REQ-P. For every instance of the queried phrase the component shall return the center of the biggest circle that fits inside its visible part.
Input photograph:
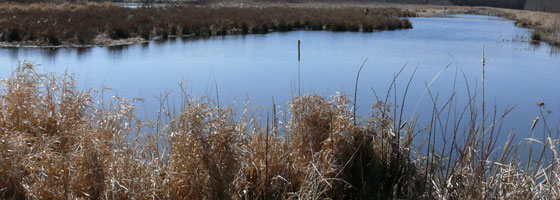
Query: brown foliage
(55, 24)
(55, 143)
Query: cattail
(298, 50)
(483, 63)
(534, 124)
(402, 126)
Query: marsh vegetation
(108, 24)
(55, 142)
(59, 140)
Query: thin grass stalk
(356, 89)
(267, 181)
(483, 105)
(404, 96)
(299, 67)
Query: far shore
(107, 24)
(546, 25)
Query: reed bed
(56, 143)
(107, 24)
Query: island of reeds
(87, 24)
(57, 142)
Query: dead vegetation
(56, 143)
(104, 24)
(546, 24)
(87, 24)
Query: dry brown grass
(55, 143)
(106, 24)
(45, 24)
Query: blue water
(257, 68)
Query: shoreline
(545, 26)
(136, 40)
(53, 25)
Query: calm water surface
(256, 68)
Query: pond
(258, 68)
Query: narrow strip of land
(107, 24)
(545, 24)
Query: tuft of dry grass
(56, 143)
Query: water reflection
(13, 52)
(555, 51)
(116, 52)
(145, 44)
(83, 51)
(50, 53)
(161, 41)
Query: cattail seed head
(483, 63)
(534, 124)
(298, 50)
(402, 126)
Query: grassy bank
(107, 24)
(56, 143)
